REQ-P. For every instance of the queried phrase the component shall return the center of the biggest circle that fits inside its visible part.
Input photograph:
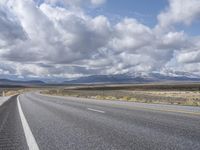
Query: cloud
(57, 38)
(189, 56)
(10, 29)
(130, 35)
(180, 11)
(98, 2)
(75, 3)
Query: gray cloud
(10, 29)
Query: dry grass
(190, 98)
(13, 91)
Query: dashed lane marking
(95, 110)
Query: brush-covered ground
(13, 91)
(179, 94)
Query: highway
(35, 121)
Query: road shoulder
(192, 110)
(4, 99)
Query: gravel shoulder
(4, 99)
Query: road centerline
(30, 139)
(96, 110)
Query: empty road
(34, 121)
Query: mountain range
(118, 79)
(126, 78)
(21, 83)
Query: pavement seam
(30, 139)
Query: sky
(66, 39)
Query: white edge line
(100, 111)
(30, 139)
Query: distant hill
(178, 77)
(124, 78)
(21, 83)
(109, 79)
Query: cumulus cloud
(75, 3)
(130, 35)
(180, 11)
(98, 2)
(10, 29)
(57, 38)
(189, 56)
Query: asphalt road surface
(34, 121)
